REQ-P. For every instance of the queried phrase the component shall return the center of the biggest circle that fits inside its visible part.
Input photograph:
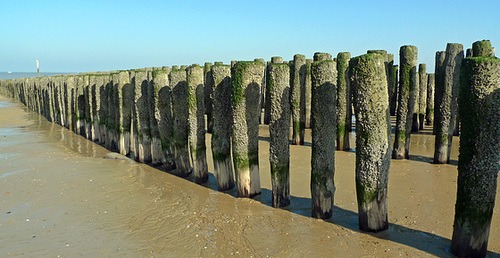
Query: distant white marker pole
(37, 68)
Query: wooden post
(406, 101)
(373, 134)
(196, 122)
(324, 126)
(279, 130)
(246, 78)
(479, 154)
(222, 120)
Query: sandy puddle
(59, 197)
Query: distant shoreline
(17, 75)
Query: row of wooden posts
(157, 115)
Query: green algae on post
(479, 155)
(279, 131)
(297, 98)
(371, 105)
(246, 80)
(324, 88)
(222, 120)
(344, 110)
(406, 100)
(196, 122)
(482, 48)
(446, 101)
(308, 93)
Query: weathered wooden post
(279, 130)
(416, 109)
(308, 92)
(406, 101)
(222, 113)
(482, 48)
(158, 81)
(429, 111)
(209, 96)
(479, 155)
(438, 86)
(163, 116)
(125, 103)
(297, 98)
(422, 86)
(80, 105)
(87, 92)
(196, 122)
(318, 56)
(373, 135)
(246, 78)
(180, 112)
(344, 110)
(324, 126)
(141, 121)
(393, 95)
(446, 96)
(267, 105)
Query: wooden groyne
(161, 115)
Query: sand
(60, 197)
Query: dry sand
(59, 197)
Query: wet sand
(60, 197)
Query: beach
(60, 197)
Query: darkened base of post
(399, 154)
(416, 123)
(463, 242)
(281, 195)
(201, 179)
(209, 123)
(183, 168)
(318, 213)
(373, 215)
(224, 181)
(421, 120)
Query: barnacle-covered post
(479, 154)
(324, 127)
(406, 101)
(279, 130)
(246, 79)
(222, 120)
(371, 107)
(344, 110)
(196, 122)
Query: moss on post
(196, 122)
(406, 101)
(279, 130)
(246, 79)
(222, 124)
(446, 102)
(324, 79)
(344, 110)
(180, 128)
(318, 56)
(482, 48)
(479, 155)
(141, 117)
(371, 105)
(429, 110)
(297, 98)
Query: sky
(85, 36)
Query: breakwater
(121, 110)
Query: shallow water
(58, 196)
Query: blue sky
(81, 36)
